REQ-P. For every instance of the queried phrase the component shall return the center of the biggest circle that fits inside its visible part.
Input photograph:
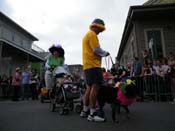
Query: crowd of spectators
(143, 67)
(23, 84)
(28, 83)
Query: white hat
(18, 68)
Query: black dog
(108, 95)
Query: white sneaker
(84, 114)
(95, 118)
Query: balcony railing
(36, 48)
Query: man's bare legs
(90, 98)
(93, 97)
(92, 103)
(86, 96)
(85, 111)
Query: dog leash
(108, 59)
(111, 60)
(106, 63)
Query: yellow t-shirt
(90, 59)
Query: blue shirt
(137, 69)
(25, 78)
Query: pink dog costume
(122, 91)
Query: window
(155, 43)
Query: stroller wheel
(64, 111)
(61, 112)
(78, 108)
(42, 100)
(71, 106)
(52, 107)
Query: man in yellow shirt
(92, 56)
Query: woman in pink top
(16, 82)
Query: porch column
(0, 49)
(0, 56)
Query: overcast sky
(66, 22)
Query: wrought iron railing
(155, 88)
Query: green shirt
(53, 61)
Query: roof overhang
(152, 11)
(33, 56)
(18, 27)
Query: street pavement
(36, 116)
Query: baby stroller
(65, 93)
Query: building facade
(15, 46)
(150, 26)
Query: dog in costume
(122, 95)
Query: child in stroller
(44, 93)
(64, 92)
